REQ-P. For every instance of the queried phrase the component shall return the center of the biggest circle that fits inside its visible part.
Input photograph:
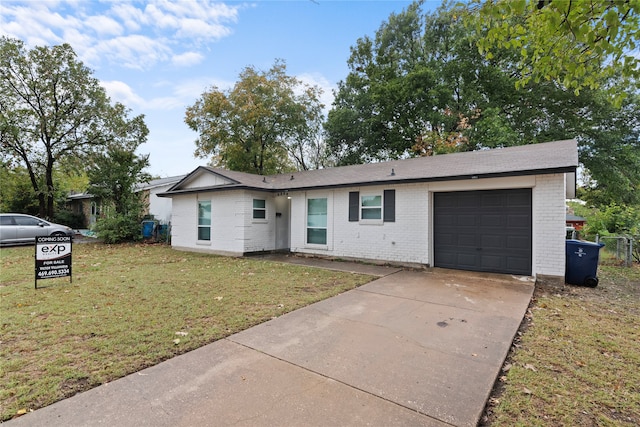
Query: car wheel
(58, 234)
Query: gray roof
(159, 182)
(533, 159)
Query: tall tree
(574, 43)
(53, 110)
(421, 87)
(113, 177)
(263, 125)
(418, 87)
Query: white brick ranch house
(500, 210)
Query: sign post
(53, 258)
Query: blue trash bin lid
(572, 242)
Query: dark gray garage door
(483, 230)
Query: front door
(283, 207)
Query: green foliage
(610, 150)
(119, 228)
(613, 219)
(266, 124)
(574, 43)
(113, 178)
(420, 87)
(70, 219)
(16, 192)
(54, 112)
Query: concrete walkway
(411, 348)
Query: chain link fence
(623, 248)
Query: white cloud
(187, 58)
(137, 35)
(177, 95)
(121, 92)
(316, 79)
(104, 26)
(198, 28)
(129, 15)
(135, 51)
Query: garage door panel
(448, 259)
(466, 260)
(492, 241)
(483, 230)
(518, 264)
(518, 242)
(466, 240)
(448, 221)
(488, 200)
(465, 220)
(518, 220)
(518, 199)
(492, 220)
(493, 261)
(448, 239)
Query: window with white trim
(204, 220)
(317, 221)
(259, 209)
(371, 207)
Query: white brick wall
(183, 221)
(258, 235)
(406, 240)
(226, 222)
(549, 225)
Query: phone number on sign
(57, 272)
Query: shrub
(118, 228)
(70, 219)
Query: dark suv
(20, 228)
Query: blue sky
(158, 57)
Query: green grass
(130, 307)
(577, 360)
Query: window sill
(316, 247)
(371, 222)
(203, 242)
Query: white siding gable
(205, 179)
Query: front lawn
(576, 361)
(130, 307)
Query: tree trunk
(50, 188)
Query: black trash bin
(582, 263)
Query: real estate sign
(53, 257)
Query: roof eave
(565, 169)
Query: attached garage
(487, 230)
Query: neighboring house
(500, 210)
(577, 222)
(83, 203)
(159, 208)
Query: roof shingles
(549, 157)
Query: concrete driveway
(411, 348)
